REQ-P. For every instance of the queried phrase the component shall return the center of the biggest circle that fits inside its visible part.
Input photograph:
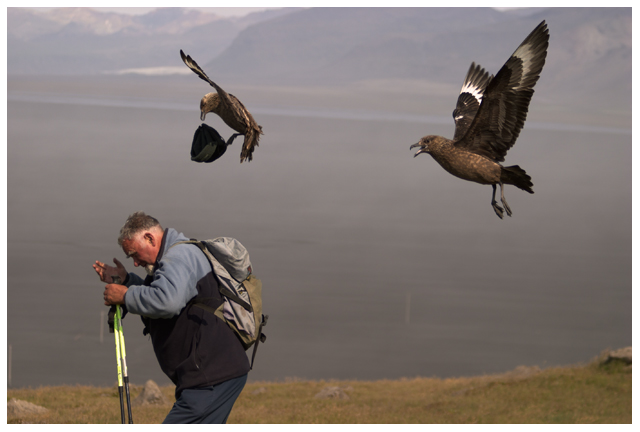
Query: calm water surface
(374, 264)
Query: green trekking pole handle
(123, 361)
(115, 309)
(118, 359)
(121, 357)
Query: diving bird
(230, 110)
(489, 115)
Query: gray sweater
(174, 283)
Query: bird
(489, 115)
(230, 110)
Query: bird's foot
(507, 208)
(230, 140)
(499, 211)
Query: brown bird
(489, 115)
(230, 110)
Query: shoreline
(524, 395)
(622, 355)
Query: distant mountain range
(75, 41)
(589, 55)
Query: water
(343, 225)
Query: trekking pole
(123, 376)
(114, 312)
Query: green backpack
(240, 290)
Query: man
(199, 352)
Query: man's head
(140, 239)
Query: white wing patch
(526, 54)
(472, 90)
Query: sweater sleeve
(174, 284)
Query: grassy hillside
(579, 394)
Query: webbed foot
(499, 211)
(494, 203)
(507, 208)
(504, 201)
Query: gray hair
(136, 222)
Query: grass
(591, 393)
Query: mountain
(589, 56)
(343, 44)
(589, 59)
(69, 41)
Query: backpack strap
(196, 302)
(223, 290)
(261, 338)
(231, 295)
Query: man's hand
(106, 272)
(114, 294)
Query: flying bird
(230, 110)
(489, 115)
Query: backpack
(240, 290)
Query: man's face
(143, 249)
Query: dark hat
(207, 144)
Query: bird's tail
(251, 139)
(514, 175)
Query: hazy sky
(225, 11)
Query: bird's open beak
(202, 115)
(422, 149)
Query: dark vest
(195, 348)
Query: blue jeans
(210, 404)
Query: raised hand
(106, 272)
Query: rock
(623, 355)
(20, 408)
(150, 395)
(333, 393)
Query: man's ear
(150, 238)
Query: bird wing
(469, 99)
(505, 102)
(240, 113)
(191, 64)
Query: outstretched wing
(470, 99)
(505, 102)
(191, 64)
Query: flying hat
(207, 144)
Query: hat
(207, 144)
